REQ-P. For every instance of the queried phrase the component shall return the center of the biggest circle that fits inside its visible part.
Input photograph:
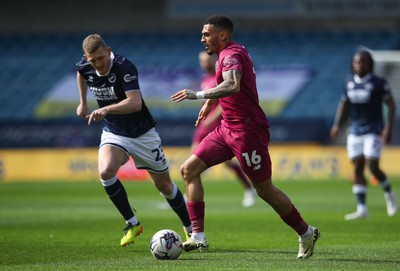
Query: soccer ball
(166, 245)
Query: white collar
(361, 80)
(111, 64)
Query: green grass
(73, 226)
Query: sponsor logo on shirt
(359, 95)
(104, 93)
(229, 61)
(128, 78)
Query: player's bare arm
(230, 86)
(82, 109)
(341, 109)
(132, 103)
(387, 130)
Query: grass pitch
(74, 226)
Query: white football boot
(361, 213)
(306, 247)
(250, 196)
(391, 203)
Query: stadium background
(301, 51)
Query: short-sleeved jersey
(110, 89)
(242, 110)
(365, 96)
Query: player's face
(100, 60)
(361, 65)
(211, 38)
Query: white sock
(109, 182)
(307, 234)
(133, 221)
(173, 194)
(362, 208)
(198, 236)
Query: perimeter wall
(290, 162)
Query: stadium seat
(34, 62)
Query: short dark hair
(220, 21)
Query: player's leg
(190, 171)
(170, 191)
(283, 206)
(253, 156)
(389, 195)
(211, 151)
(110, 159)
(148, 154)
(250, 194)
(355, 151)
(359, 189)
(372, 149)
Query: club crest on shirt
(128, 78)
(112, 77)
(229, 61)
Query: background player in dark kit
(364, 95)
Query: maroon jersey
(244, 132)
(242, 110)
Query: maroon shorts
(250, 147)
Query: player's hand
(184, 94)
(82, 111)
(205, 109)
(97, 115)
(334, 132)
(386, 136)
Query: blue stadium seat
(34, 62)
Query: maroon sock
(294, 220)
(196, 215)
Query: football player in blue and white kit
(129, 130)
(365, 93)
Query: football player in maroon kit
(207, 64)
(243, 133)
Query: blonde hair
(93, 42)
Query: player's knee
(107, 173)
(186, 172)
(374, 168)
